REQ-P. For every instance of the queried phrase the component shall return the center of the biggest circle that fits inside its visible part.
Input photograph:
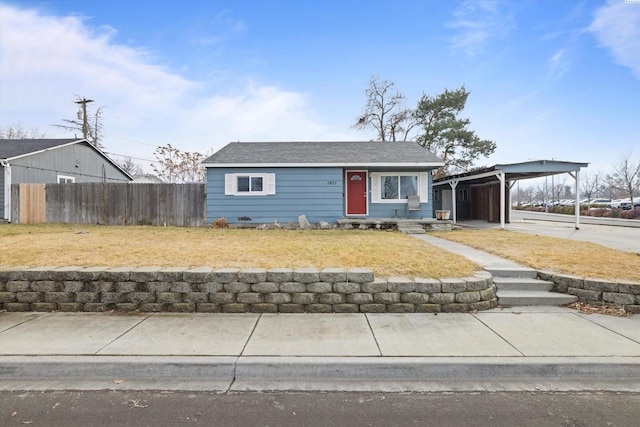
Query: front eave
(326, 165)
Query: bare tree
(626, 175)
(18, 132)
(131, 167)
(386, 112)
(176, 166)
(442, 131)
(559, 189)
(589, 185)
(542, 193)
(608, 187)
(529, 193)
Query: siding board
(314, 192)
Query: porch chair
(413, 204)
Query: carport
(486, 192)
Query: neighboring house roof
(12, 148)
(147, 179)
(15, 148)
(319, 154)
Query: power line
(129, 156)
(130, 139)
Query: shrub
(566, 210)
(630, 214)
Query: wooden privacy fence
(110, 204)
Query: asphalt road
(318, 409)
(614, 236)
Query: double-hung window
(249, 184)
(390, 187)
(398, 187)
(62, 179)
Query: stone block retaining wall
(230, 290)
(597, 291)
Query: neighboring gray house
(43, 161)
(261, 182)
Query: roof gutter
(312, 165)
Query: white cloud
(226, 27)
(617, 27)
(478, 22)
(46, 61)
(558, 64)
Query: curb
(388, 374)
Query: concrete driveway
(623, 238)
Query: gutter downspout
(7, 189)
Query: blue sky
(548, 78)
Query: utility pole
(85, 124)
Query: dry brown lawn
(550, 253)
(388, 254)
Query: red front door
(356, 193)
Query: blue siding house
(261, 182)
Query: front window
(250, 184)
(398, 187)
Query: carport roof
(514, 171)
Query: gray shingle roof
(334, 153)
(10, 148)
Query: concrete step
(523, 272)
(534, 298)
(411, 229)
(521, 284)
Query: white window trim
(67, 179)
(231, 184)
(376, 187)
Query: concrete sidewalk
(526, 348)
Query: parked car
(595, 201)
(627, 205)
(616, 203)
